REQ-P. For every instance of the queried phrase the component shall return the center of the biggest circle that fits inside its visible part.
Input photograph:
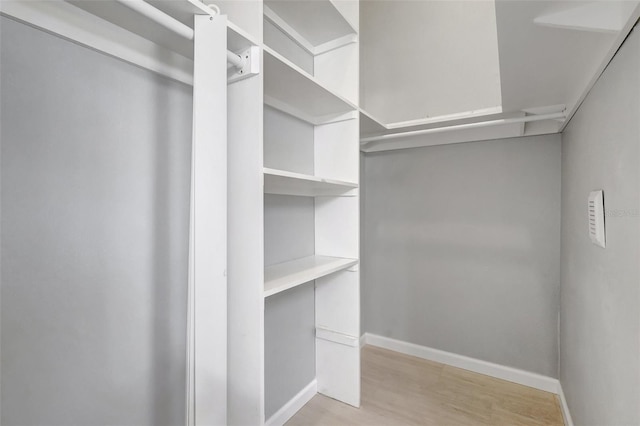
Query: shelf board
(290, 183)
(283, 276)
(293, 91)
(316, 25)
(369, 125)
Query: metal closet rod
(169, 22)
(478, 124)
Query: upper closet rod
(144, 8)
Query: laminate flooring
(398, 389)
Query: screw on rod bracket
(249, 66)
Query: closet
(182, 208)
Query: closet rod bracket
(249, 65)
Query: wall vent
(596, 218)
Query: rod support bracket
(250, 65)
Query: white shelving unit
(289, 183)
(283, 276)
(284, 84)
(294, 146)
(311, 75)
(317, 26)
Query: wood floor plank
(398, 389)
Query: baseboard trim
(510, 374)
(564, 407)
(363, 340)
(287, 411)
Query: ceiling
(543, 65)
(427, 64)
(424, 59)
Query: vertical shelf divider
(207, 360)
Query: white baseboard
(363, 340)
(565, 408)
(287, 411)
(510, 374)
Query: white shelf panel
(311, 23)
(293, 91)
(370, 125)
(290, 183)
(283, 276)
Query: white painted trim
(363, 340)
(564, 407)
(287, 411)
(526, 378)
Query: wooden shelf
(293, 91)
(317, 26)
(289, 183)
(283, 276)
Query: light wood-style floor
(402, 390)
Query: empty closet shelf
(293, 91)
(284, 276)
(289, 183)
(314, 25)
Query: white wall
(462, 249)
(95, 219)
(600, 293)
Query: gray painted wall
(462, 249)
(290, 347)
(288, 142)
(95, 197)
(290, 315)
(600, 293)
